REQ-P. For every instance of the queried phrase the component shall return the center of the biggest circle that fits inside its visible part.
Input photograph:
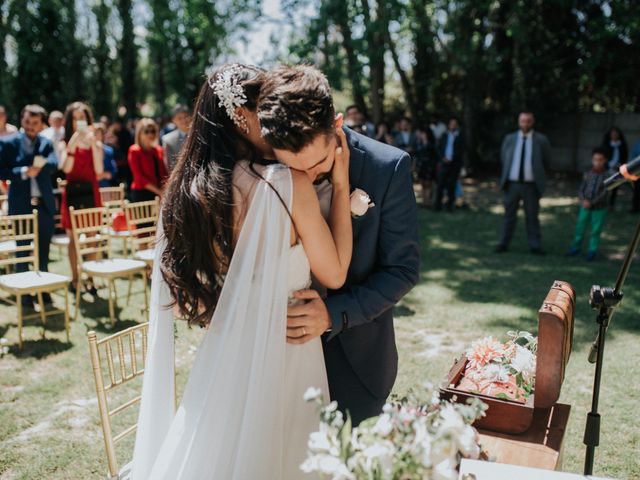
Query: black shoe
(91, 289)
(573, 252)
(538, 251)
(500, 249)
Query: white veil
(228, 425)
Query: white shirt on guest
(28, 146)
(514, 173)
(53, 134)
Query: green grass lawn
(49, 426)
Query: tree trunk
(376, 39)
(404, 79)
(129, 58)
(354, 69)
(424, 51)
(4, 74)
(102, 101)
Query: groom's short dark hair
(294, 107)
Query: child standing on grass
(593, 205)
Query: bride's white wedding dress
(242, 415)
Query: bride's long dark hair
(197, 212)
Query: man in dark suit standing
(28, 160)
(356, 322)
(452, 155)
(172, 141)
(524, 156)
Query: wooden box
(555, 337)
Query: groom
(298, 120)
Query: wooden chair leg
(112, 315)
(19, 307)
(129, 289)
(78, 286)
(66, 311)
(43, 315)
(146, 290)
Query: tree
(128, 53)
(103, 101)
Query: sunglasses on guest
(149, 131)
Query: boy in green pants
(593, 205)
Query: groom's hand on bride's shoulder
(308, 320)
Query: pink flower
(360, 202)
(483, 352)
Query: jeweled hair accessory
(230, 93)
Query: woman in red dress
(145, 160)
(82, 163)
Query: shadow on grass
(41, 348)
(457, 253)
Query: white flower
(333, 466)
(312, 393)
(445, 470)
(3, 341)
(524, 361)
(496, 373)
(383, 426)
(468, 443)
(5, 350)
(452, 421)
(360, 202)
(327, 465)
(332, 407)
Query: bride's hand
(340, 172)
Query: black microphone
(617, 179)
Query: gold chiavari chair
(142, 220)
(113, 199)
(22, 232)
(130, 347)
(91, 235)
(60, 239)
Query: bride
(238, 234)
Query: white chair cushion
(7, 247)
(145, 255)
(112, 265)
(30, 280)
(60, 239)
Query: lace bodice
(299, 269)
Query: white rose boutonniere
(360, 203)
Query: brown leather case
(555, 337)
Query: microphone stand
(605, 300)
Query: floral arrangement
(502, 370)
(419, 436)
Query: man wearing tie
(28, 160)
(524, 156)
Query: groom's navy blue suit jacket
(385, 263)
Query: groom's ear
(339, 120)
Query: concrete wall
(573, 136)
